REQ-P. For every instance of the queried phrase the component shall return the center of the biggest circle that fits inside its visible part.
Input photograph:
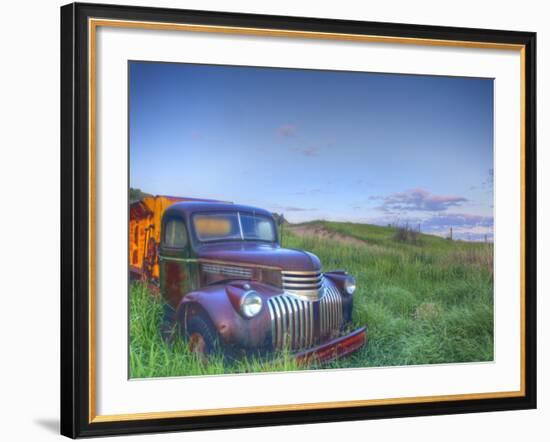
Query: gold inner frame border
(93, 24)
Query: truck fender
(233, 329)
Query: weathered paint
(145, 233)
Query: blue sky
(343, 146)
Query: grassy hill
(425, 300)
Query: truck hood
(260, 254)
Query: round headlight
(251, 304)
(350, 285)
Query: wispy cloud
(283, 209)
(458, 220)
(309, 192)
(298, 209)
(414, 200)
(466, 226)
(311, 151)
(286, 130)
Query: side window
(175, 234)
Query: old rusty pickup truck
(229, 286)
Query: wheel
(202, 337)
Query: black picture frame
(75, 220)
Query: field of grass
(425, 301)
(151, 357)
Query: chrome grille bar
(307, 285)
(230, 271)
(293, 323)
(331, 310)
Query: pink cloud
(418, 200)
(310, 151)
(286, 130)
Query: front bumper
(334, 349)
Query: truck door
(175, 262)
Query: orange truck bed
(145, 226)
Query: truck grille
(229, 271)
(293, 320)
(305, 285)
(292, 323)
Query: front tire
(202, 337)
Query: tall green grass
(424, 303)
(151, 356)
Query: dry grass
(474, 255)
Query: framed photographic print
(275, 220)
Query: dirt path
(322, 233)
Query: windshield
(240, 226)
